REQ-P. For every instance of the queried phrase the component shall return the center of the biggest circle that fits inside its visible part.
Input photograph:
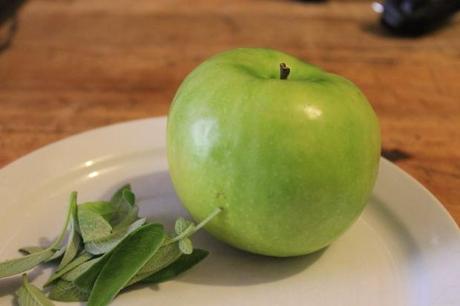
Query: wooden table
(76, 65)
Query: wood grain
(77, 65)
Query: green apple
(288, 151)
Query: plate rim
(447, 225)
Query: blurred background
(68, 66)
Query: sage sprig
(108, 248)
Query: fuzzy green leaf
(72, 208)
(184, 263)
(71, 250)
(129, 197)
(29, 295)
(125, 261)
(83, 257)
(116, 197)
(87, 278)
(182, 225)
(129, 217)
(92, 226)
(80, 269)
(22, 264)
(105, 244)
(185, 245)
(102, 208)
(125, 211)
(57, 254)
(73, 242)
(35, 249)
(66, 291)
(165, 256)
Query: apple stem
(284, 71)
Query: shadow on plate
(225, 266)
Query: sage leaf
(72, 208)
(162, 258)
(29, 295)
(92, 226)
(116, 197)
(83, 257)
(71, 250)
(184, 263)
(165, 256)
(22, 264)
(125, 261)
(182, 225)
(129, 196)
(73, 242)
(66, 291)
(123, 207)
(81, 269)
(57, 254)
(106, 244)
(130, 216)
(102, 208)
(31, 249)
(185, 245)
(87, 278)
(36, 249)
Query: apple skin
(291, 162)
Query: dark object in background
(395, 154)
(416, 17)
(8, 21)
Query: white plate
(404, 249)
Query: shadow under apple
(225, 266)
